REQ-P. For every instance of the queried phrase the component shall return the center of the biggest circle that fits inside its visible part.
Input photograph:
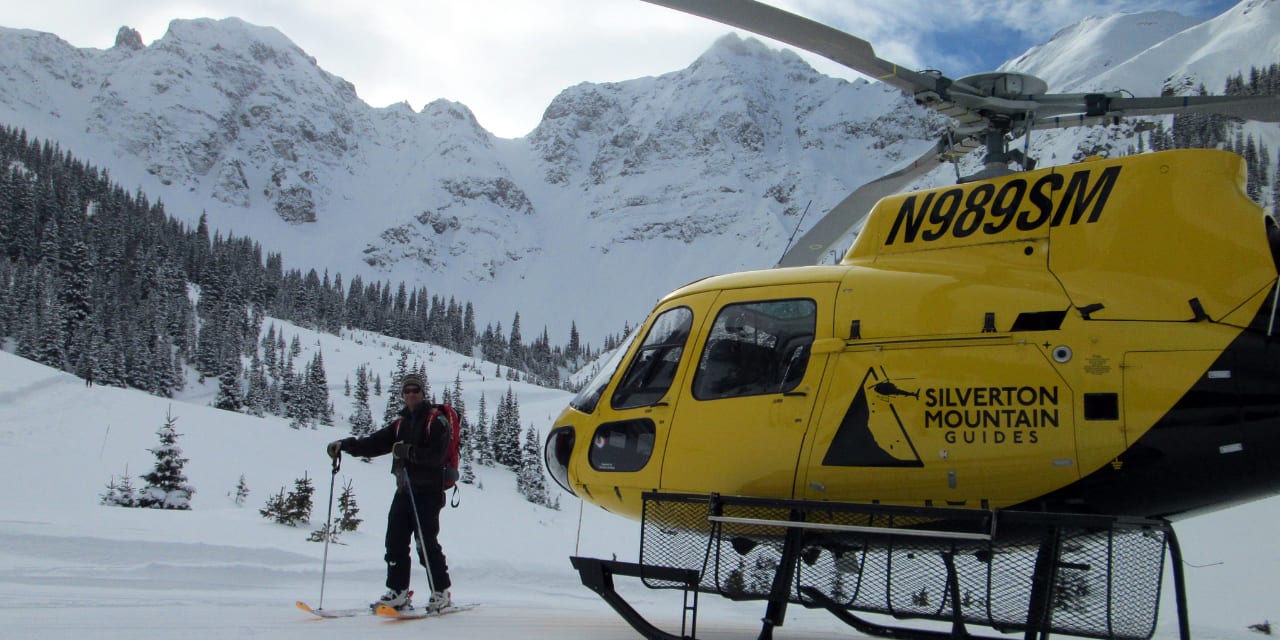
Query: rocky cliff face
(623, 191)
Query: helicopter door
(633, 421)
(746, 407)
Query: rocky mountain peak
(128, 38)
(734, 49)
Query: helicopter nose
(558, 450)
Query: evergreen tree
(257, 398)
(574, 349)
(466, 474)
(242, 491)
(361, 419)
(120, 494)
(229, 393)
(348, 509)
(269, 352)
(299, 501)
(506, 432)
(167, 486)
(394, 401)
(515, 348)
(1275, 188)
(276, 509)
(291, 509)
(75, 301)
(530, 481)
(455, 400)
(317, 391)
(482, 444)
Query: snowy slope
(1078, 54)
(71, 568)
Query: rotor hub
(1006, 84)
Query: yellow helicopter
(1095, 338)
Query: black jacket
(430, 446)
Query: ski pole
(422, 545)
(328, 524)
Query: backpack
(451, 458)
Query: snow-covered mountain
(1148, 53)
(623, 191)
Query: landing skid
(1008, 571)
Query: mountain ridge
(648, 183)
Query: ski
(333, 613)
(418, 614)
(339, 613)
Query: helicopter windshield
(589, 397)
(651, 372)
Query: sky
(507, 59)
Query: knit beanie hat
(412, 379)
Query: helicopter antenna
(1026, 139)
(794, 232)
(951, 144)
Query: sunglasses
(408, 390)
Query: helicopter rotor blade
(851, 211)
(815, 37)
(1258, 108)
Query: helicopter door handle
(794, 394)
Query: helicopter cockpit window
(651, 371)
(589, 397)
(756, 348)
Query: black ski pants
(401, 526)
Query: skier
(418, 450)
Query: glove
(402, 450)
(334, 449)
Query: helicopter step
(1009, 571)
(597, 575)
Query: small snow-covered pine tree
(274, 509)
(318, 534)
(361, 419)
(122, 493)
(506, 432)
(529, 479)
(167, 486)
(394, 401)
(291, 509)
(481, 442)
(298, 504)
(348, 508)
(242, 491)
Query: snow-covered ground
(71, 568)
